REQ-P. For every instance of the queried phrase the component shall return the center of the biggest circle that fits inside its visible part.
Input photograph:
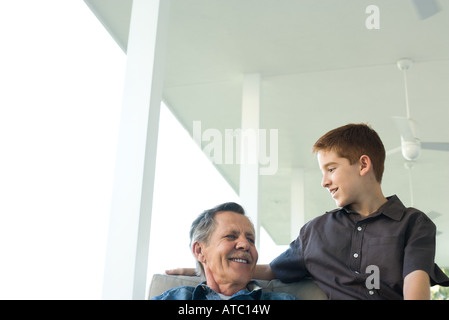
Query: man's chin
(241, 276)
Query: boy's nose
(325, 183)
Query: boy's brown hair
(351, 142)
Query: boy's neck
(369, 204)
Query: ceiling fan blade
(426, 8)
(440, 146)
(393, 151)
(406, 128)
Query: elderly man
(222, 240)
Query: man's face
(340, 177)
(230, 256)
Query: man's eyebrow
(236, 232)
(231, 231)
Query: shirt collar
(393, 208)
(253, 289)
(253, 285)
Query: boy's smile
(333, 191)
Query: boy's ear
(365, 164)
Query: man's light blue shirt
(202, 292)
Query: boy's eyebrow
(329, 164)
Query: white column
(297, 214)
(129, 229)
(249, 149)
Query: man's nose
(243, 243)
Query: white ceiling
(320, 68)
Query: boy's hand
(181, 272)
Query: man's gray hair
(204, 225)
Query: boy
(367, 233)
(371, 247)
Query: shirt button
(359, 228)
(355, 255)
(371, 292)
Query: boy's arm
(181, 272)
(417, 286)
(261, 272)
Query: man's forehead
(234, 222)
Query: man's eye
(331, 170)
(230, 236)
(251, 240)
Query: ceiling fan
(411, 145)
(426, 8)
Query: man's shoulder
(177, 293)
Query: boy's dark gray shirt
(337, 249)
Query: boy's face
(340, 177)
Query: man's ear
(197, 250)
(365, 164)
